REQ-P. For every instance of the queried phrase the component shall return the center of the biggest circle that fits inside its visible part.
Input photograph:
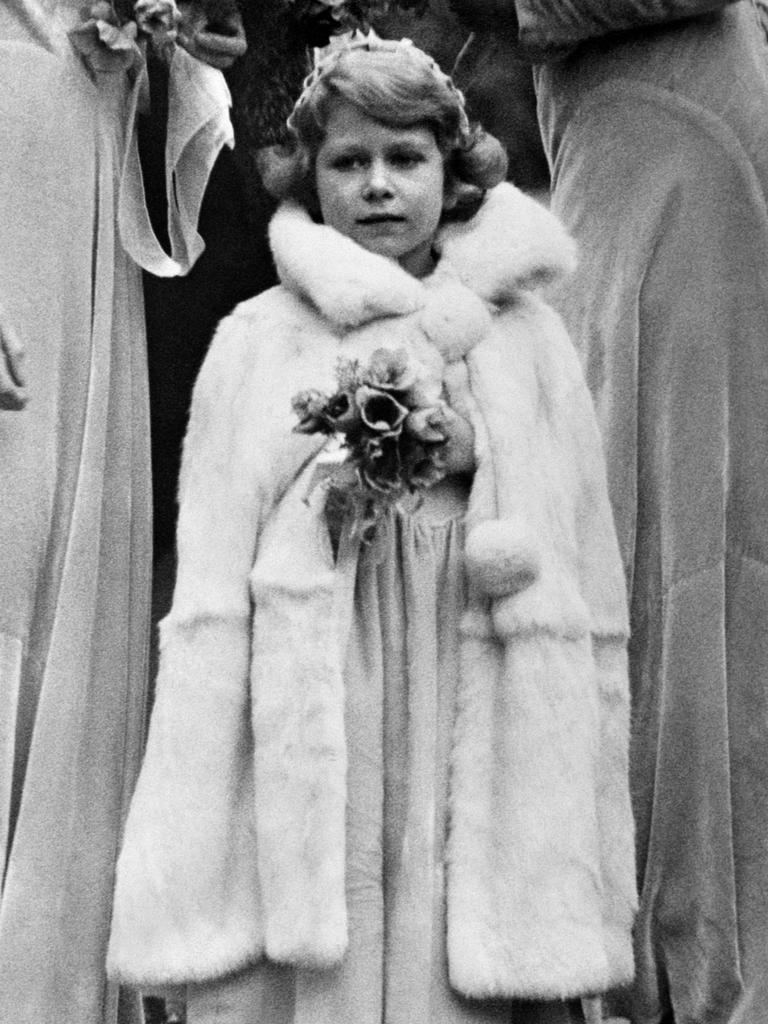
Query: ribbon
(198, 128)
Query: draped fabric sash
(198, 128)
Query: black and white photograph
(383, 511)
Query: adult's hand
(13, 393)
(212, 33)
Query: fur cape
(234, 845)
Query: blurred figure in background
(654, 118)
(75, 512)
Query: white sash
(198, 128)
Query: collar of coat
(511, 243)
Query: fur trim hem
(201, 956)
(572, 967)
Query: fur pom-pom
(501, 557)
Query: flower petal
(379, 410)
(428, 424)
(391, 369)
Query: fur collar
(512, 243)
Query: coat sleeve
(550, 28)
(542, 554)
(187, 905)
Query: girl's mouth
(381, 218)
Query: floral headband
(327, 57)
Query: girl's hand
(213, 33)
(442, 422)
(13, 393)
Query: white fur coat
(234, 846)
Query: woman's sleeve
(548, 29)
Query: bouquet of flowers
(388, 422)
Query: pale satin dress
(75, 512)
(401, 677)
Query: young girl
(385, 781)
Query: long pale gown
(74, 513)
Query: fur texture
(235, 841)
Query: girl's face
(381, 186)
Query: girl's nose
(377, 184)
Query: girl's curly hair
(401, 87)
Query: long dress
(75, 517)
(659, 150)
(400, 681)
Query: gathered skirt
(401, 677)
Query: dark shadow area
(182, 312)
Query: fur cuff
(552, 606)
(187, 905)
(525, 910)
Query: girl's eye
(405, 158)
(347, 162)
